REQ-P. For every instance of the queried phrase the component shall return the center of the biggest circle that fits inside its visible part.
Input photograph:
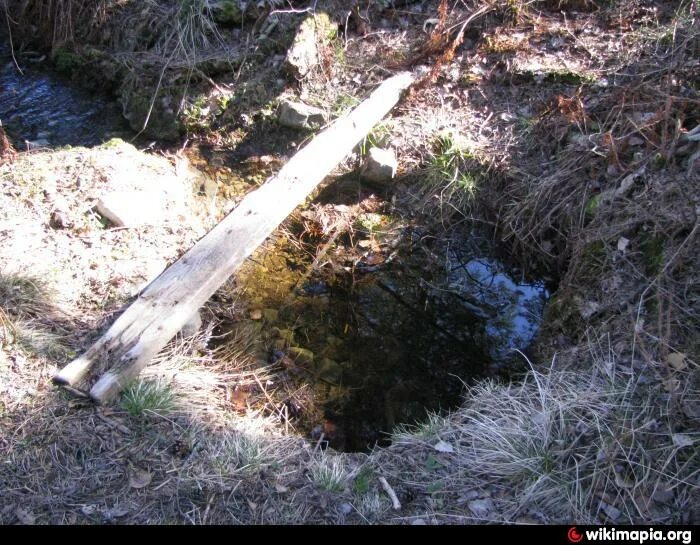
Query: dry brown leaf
(139, 478)
(239, 399)
(676, 361)
(671, 384)
(682, 440)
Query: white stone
(132, 208)
(380, 166)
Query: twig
(390, 491)
(9, 34)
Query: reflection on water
(517, 307)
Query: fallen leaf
(432, 463)
(677, 361)
(663, 495)
(611, 511)
(441, 446)
(25, 516)
(115, 512)
(622, 481)
(88, 509)
(622, 244)
(480, 508)
(139, 478)
(671, 384)
(281, 489)
(682, 440)
(239, 398)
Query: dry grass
(559, 446)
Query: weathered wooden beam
(168, 302)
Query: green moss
(67, 61)
(363, 480)
(113, 143)
(592, 206)
(228, 12)
(653, 251)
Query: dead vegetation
(575, 138)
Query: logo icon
(573, 535)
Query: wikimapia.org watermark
(637, 536)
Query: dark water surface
(39, 108)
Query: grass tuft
(329, 473)
(145, 397)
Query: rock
(192, 326)
(304, 54)
(298, 115)
(301, 356)
(138, 105)
(132, 208)
(380, 165)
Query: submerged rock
(302, 356)
(380, 166)
(298, 115)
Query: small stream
(369, 325)
(41, 109)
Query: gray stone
(301, 356)
(380, 165)
(298, 115)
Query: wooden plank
(168, 302)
